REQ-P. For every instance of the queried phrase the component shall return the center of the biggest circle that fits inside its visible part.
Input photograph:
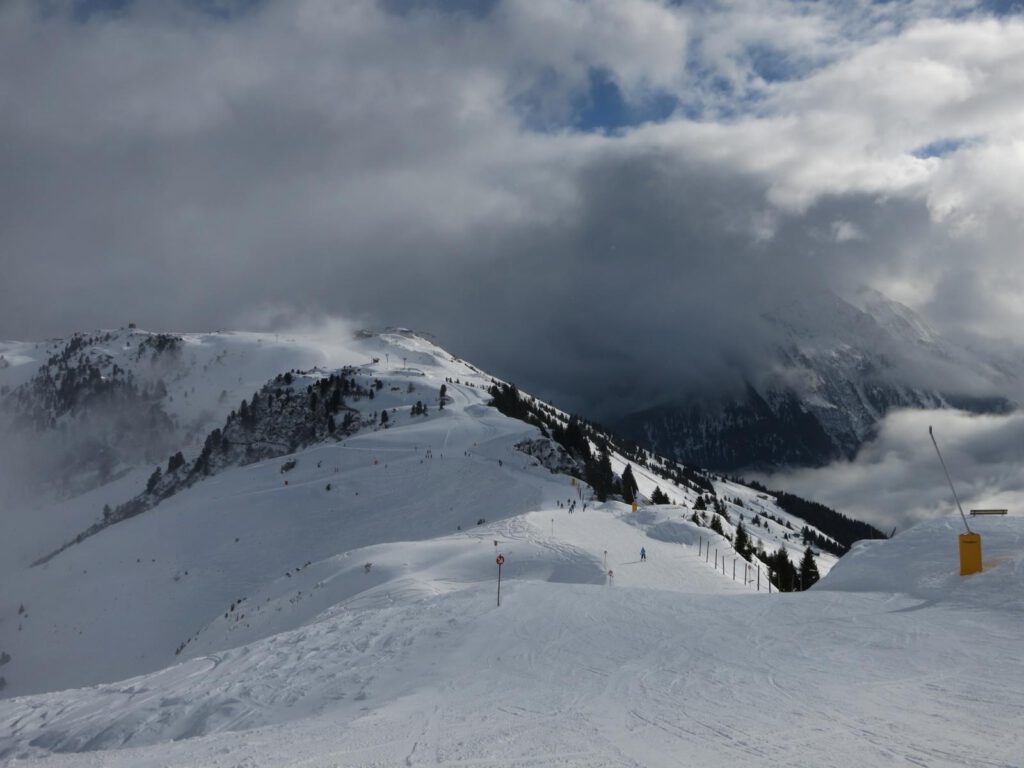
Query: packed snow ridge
(333, 602)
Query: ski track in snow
(891, 660)
(572, 675)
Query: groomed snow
(298, 654)
(569, 674)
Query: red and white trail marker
(500, 561)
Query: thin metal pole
(499, 586)
(950, 479)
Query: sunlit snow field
(358, 625)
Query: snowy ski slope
(262, 618)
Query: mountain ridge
(184, 526)
(836, 369)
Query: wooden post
(734, 569)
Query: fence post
(734, 569)
(716, 559)
(759, 578)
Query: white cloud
(642, 43)
(844, 231)
(349, 159)
(896, 479)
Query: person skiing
(643, 555)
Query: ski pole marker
(499, 560)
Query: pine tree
(783, 572)
(716, 525)
(742, 542)
(153, 480)
(808, 570)
(175, 462)
(720, 509)
(659, 496)
(600, 475)
(444, 393)
(629, 486)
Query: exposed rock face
(550, 455)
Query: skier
(643, 555)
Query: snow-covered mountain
(834, 369)
(288, 592)
(92, 407)
(347, 453)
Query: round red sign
(500, 560)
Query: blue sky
(945, 146)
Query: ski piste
(237, 622)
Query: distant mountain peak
(833, 370)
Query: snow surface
(358, 625)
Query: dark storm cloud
(182, 165)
